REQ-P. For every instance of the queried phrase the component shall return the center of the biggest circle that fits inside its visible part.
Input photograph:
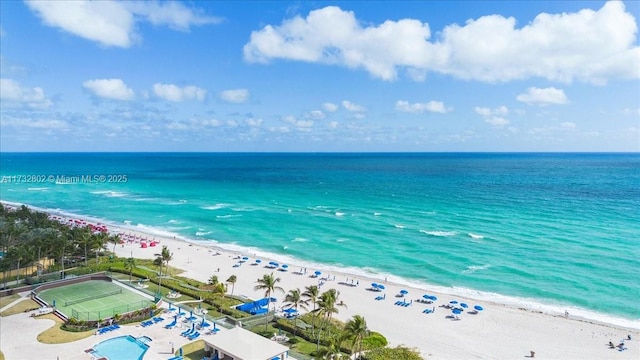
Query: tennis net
(93, 297)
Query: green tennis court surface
(94, 299)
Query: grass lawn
(193, 351)
(4, 301)
(22, 306)
(55, 335)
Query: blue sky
(320, 76)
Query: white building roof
(242, 344)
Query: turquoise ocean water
(552, 231)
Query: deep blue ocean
(548, 231)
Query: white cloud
(587, 45)
(114, 89)
(568, 125)
(352, 107)
(330, 107)
(235, 96)
(495, 117)
(544, 96)
(333, 125)
(43, 124)
(416, 108)
(316, 114)
(254, 122)
(112, 23)
(176, 94)
(13, 94)
(502, 110)
(497, 121)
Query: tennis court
(94, 299)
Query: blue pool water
(122, 348)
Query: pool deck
(18, 338)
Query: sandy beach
(500, 331)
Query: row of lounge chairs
(381, 297)
(428, 311)
(402, 303)
(106, 329)
(151, 322)
(191, 334)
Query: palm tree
(219, 288)
(332, 350)
(163, 258)
(294, 299)
(358, 330)
(232, 280)
(130, 264)
(312, 293)
(213, 280)
(326, 308)
(115, 240)
(86, 238)
(268, 284)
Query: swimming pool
(122, 348)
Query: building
(240, 344)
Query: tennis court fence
(107, 313)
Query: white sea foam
(337, 213)
(300, 239)
(173, 221)
(474, 268)
(377, 214)
(215, 207)
(203, 233)
(109, 193)
(399, 226)
(475, 236)
(439, 233)
(38, 189)
(341, 240)
(227, 216)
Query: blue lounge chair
(187, 332)
(176, 358)
(157, 319)
(193, 336)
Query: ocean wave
(300, 239)
(109, 193)
(341, 240)
(377, 214)
(173, 221)
(439, 233)
(473, 268)
(215, 207)
(475, 236)
(337, 213)
(227, 216)
(38, 189)
(399, 226)
(203, 233)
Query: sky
(315, 76)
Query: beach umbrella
(404, 292)
(453, 302)
(434, 298)
(456, 311)
(374, 285)
(478, 308)
(464, 305)
(245, 258)
(380, 286)
(258, 261)
(285, 266)
(428, 297)
(318, 273)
